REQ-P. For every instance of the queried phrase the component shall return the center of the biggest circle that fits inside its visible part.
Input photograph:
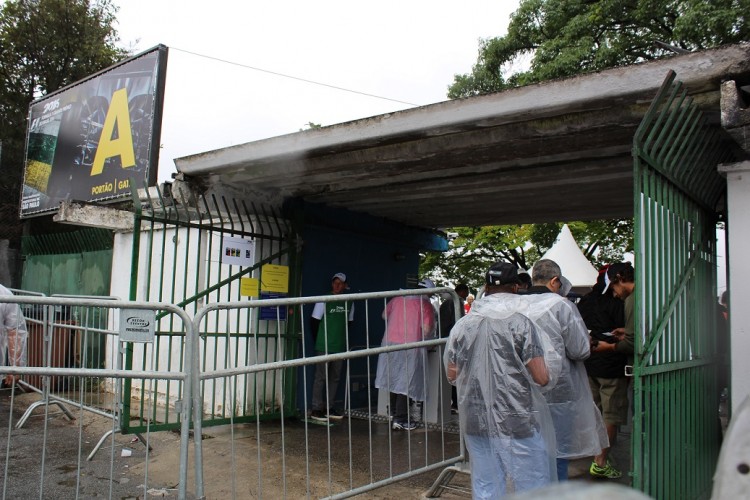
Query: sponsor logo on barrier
(137, 325)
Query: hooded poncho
(407, 319)
(497, 397)
(579, 427)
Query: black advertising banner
(91, 140)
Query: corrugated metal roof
(550, 152)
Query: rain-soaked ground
(271, 459)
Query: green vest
(332, 330)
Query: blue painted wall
(375, 255)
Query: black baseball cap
(502, 273)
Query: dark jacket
(603, 313)
(448, 315)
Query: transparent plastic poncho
(407, 319)
(579, 426)
(13, 333)
(499, 403)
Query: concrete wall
(738, 238)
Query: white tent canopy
(568, 255)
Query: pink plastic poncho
(407, 319)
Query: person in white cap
(408, 318)
(620, 277)
(13, 335)
(329, 325)
(603, 312)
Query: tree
(571, 37)
(565, 38)
(311, 126)
(44, 46)
(473, 249)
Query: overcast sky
(406, 50)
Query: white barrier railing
(76, 390)
(361, 454)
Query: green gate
(181, 255)
(676, 433)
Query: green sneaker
(607, 472)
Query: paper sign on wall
(237, 251)
(274, 278)
(249, 287)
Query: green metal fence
(179, 246)
(76, 263)
(73, 262)
(676, 434)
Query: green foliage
(311, 126)
(604, 241)
(571, 37)
(44, 45)
(473, 249)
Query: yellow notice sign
(274, 278)
(249, 287)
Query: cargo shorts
(611, 397)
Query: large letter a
(122, 146)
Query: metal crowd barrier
(235, 377)
(295, 456)
(88, 386)
(72, 336)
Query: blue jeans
(524, 460)
(562, 469)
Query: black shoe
(334, 414)
(318, 415)
(404, 426)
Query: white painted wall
(738, 237)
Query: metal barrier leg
(109, 433)
(143, 440)
(34, 406)
(443, 481)
(100, 443)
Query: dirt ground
(270, 464)
(268, 459)
(247, 461)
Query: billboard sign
(91, 140)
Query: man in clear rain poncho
(579, 427)
(495, 358)
(13, 336)
(410, 318)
